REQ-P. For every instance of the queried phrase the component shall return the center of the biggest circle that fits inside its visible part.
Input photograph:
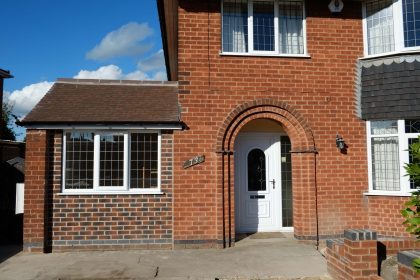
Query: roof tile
(107, 101)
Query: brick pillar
(355, 257)
(35, 184)
(360, 249)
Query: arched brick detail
(295, 125)
(303, 160)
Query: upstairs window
(263, 27)
(391, 25)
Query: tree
(7, 132)
(412, 211)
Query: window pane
(111, 164)
(79, 160)
(286, 182)
(385, 164)
(383, 127)
(411, 159)
(411, 18)
(291, 27)
(144, 160)
(256, 171)
(263, 25)
(235, 26)
(380, 26)
(412, 126)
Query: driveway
(251, 258)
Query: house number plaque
(194, 161)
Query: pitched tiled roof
(107, 101)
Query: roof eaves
(5, 74)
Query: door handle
(274, 183)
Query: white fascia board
(105, 127)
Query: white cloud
(137, 75)
(125, 41)
(23, 100)
(156, 61)
(111, 72)
(160, 76)
(114, 72)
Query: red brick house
(280, 115)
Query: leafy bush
(412, 211)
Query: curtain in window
(380, 26)
(235, 26)
(291, 27)
(385, 164)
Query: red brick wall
(320, 89)
(95, 221)
(35, 181)
(385, 215)
(407, 273)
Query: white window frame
(276, 52)
(125, 188)
(403, 159)
(397, 14)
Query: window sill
(265, 55)
(390, 54)
(387, 194)
(151, 192)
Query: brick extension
(56, 222)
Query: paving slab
(270, 258)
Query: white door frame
(269, 202)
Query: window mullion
(96, 160)
(126, 161)
(369, 156)
(365, 32)
(64, 152)
(305, 46)
(276, 26)
(250, 26)
(403, 155)
(159, 146)
(403, 146)
(398, 25)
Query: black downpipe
(229, 202)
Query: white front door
(258, 182)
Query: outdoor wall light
(340, 143)
(336, 6)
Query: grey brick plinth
(360, 234)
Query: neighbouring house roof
(72, 101)
(18, 163)
(4, 74)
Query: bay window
(391, 26)
(388, 143)
(111, 161)
(263, 27)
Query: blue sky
(44, 40)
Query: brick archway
(303, 162)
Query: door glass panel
(256, 171)
(286, 182)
